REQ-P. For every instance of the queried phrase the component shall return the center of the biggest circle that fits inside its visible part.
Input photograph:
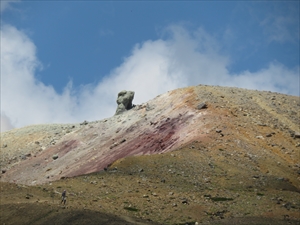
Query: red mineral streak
(136, 132)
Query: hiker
(63, 197)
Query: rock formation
(124, 101)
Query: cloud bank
(180, 59)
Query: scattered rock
(184, 201)
(148, 107)
(55, 157)
(262, 124)
(122, 141)
(4, 145)
(28, 196)
(287, 205)
(202, 106)
(211, 165)
(297, 135)
(153, 123)
(84, 123)
(114, 145)
(220, 214)
(270, 134)
(260, 137)
(3, 170)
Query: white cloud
(276, 77)
(282, 23)
(5, 123)
(6, 4)
(153, 67)
(277, 28)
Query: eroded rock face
(124, 101)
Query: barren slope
(235, 162)
(260, 124)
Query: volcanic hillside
(186, 147)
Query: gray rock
(297, 135)
(202, 105)
(55, 157)
(184, 201)
(270, 134)
(124, 101)
(84, 123)
(122, 141)
(149, 107)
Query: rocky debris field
(179, 187)
(197, 155)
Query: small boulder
(84, 123)
(202, 105)
(55, 157)
(270, 134)
(297, 135)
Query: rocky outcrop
(124, 101)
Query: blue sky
(65, 61)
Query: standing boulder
(124, 101)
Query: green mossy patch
(131, 209)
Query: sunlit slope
(242, 124)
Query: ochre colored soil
(166, 162)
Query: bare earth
(166, 162)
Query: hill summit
(212, 138)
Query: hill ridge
(163, 124)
